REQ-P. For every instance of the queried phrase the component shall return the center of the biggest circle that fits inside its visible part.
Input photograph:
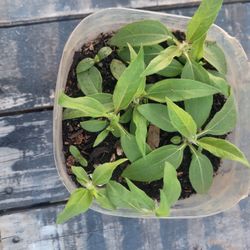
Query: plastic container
(232, 182)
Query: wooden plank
(36, 229)
(30, 56)
(28, 174)
(19, 11)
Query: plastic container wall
(231, 184)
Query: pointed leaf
(132, 53)
(224, 149)
(77, 155)
(198, 108)
(142, 198)
(181, 120)
(203, 18)
(117, 67)
(84, 65)
(81, 175)
(105, 99)
(197, 49)
(164, 208)
(171, 184)
(151, 167)
(73, 113)
(129, 83)
(141, 130)
(130, 147)
(172, 70)
(88, 105)
(103, 172)
(179, 90)
(118, 195)
(90, 81)
(103, 200)
(101, 137)
(162, 60)
(157, 114)
(94, 125)
(146, 32)
(200, 172)
(219, 83)
(223, 121)
(215, 56)
(79, 202)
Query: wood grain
(36, 229)
(28, 174)
(30, 56)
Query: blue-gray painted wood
(28, 175)
(36, 229)
(30, 56)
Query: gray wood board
(28, 11)
(30, 56)
(36, 229)
(26, 161)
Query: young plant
(138, 110)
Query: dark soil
(109, 149)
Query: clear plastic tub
(232, 183)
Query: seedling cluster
(140, 106)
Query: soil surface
(110, 149)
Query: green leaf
(181, 120)
(197, 49)
(132, 53)
(200, 172)
(130, 147)
(129, 83)
(73, 113)
(126, 116)
(223, 121)
(222, 148)
(90, 106)
(219, 83)
(118, 195)
(79, 202)
(103, 201)
(141, 130)
(164, 208)
(179, 90)
(90, 81)
(151, 167)
(77, 155)
(84, 65)
(203, 18)
(149, 52)
(171, 184)
(146, 32)
(104, 52)
(142, 198)
(172, 70)
(105, 99)
(94, 125)
(117, 67)
(162, 60)
(198, 108)
(103, 172)
(101, 137)
(215, 56)
(157, 114)
(81, 175)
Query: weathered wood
(30, 55)
(36, 229)
(28, 175)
